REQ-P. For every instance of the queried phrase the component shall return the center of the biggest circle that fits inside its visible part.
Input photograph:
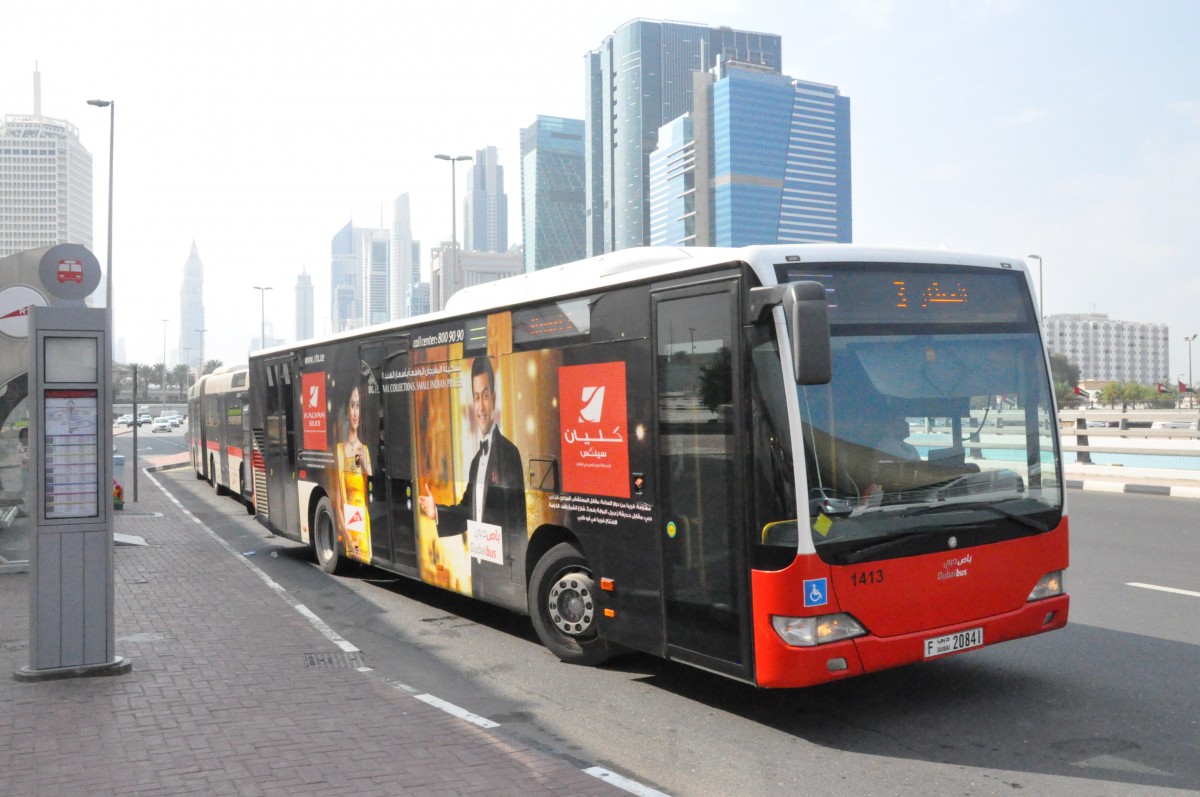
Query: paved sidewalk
(222, 699)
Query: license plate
(953, 643)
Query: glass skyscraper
(765, 159)
(552, 192)
(639, 79)
(485, 207)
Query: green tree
(210, 366)
(179, 377)
(1066, 376)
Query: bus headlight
(1048, 586)
(805, 632)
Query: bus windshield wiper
(1023, 520)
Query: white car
(161, 425)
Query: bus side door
(280, 454)
(700, 489)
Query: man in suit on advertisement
(492, 508)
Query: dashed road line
(457, 711)
(631, 786)
(1156, 587)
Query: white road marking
(1187, 592)
(631, 786)
(461, 713)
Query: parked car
(144, 419)
(161, 425)
(1171, 425)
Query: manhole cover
(334, 661)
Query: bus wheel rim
(571, 603)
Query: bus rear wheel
(324, 538)
(562, 603)
(216, 480)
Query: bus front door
(700, 491)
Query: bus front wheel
(562, 603)
(324, 538)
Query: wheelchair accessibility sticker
(816, 592)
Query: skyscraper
(374, 250)
(639, 79)
(45, 182)
(405, 270)
(191, 311)
(304, 306)
(552, 192)
(344, 280)
(764, 159)
(485, 207)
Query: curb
(1171, 491)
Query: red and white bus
(219, 431)
(785, 464)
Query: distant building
(405, 256)
(45, 182)
(764, 159)
(1108, 350)
(191, 311)
(359, 277)
(485, 207)
(450, 274)
(639, 79)
(416, 299)
(305, 311)
(552, 192)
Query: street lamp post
(1041, 285)
(1191, 385)
(453, 211)
(111, 105)
(200, 365)
(164, 370)
(262, 307)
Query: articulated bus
(219, 431)
(784, 464)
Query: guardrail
(1181, 449)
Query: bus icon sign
(816, 592)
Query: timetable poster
(72, 466)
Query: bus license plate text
(952, 643)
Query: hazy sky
(1065, 129)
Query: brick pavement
(220, 700)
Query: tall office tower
(468, 268)
(552, 195)
(1122, 351)
(405, 270)
(416, 299)
(763, 159)
(305, 311)
(191, 312)
(639, 79)
(376, 292)
(485, 207)
(345, 277)
(45, 182)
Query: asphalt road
(1108, 706)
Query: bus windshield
(928, 431)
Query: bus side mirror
(807, 312)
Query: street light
(164, 370)
(1191, 386)
(1041, 285)
(111, 105)
(200, 365)
(453, 210)
(262, 327)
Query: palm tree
(211, 365)
(180, 376)
(139, 378)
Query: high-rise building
(1106, 349)
(639, 79)
(416, 299)
(374, 250)
(450, 273)
(305, 311)
(406, 270)
(552, 192)
(191, 312)
(345, 280)
(763, 159)
(485, 207)
(45, 182)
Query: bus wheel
(324, 538)
(216, 481)
(562, 603)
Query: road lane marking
(457, 711)
(1173, 590)
(631, 786)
